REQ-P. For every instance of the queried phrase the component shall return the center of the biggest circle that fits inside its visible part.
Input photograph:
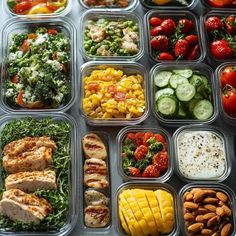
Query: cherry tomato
(160, 160)
(15, 79)
(219, 3)
(155, 31)
(25, 47)
(151, 171)
(160, 138)
(131, 136)
(134, 171)
(147, 136)
(52, 32)
(93, 86)
(140, 152)
(139, 138)
(19, 99)
(22, 6)
(230, 23)
(229, 101)
(228, 76)
(155, 21)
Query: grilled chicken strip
(94, 147)
(95, 173)
(95, 198)
(21, 145)
(24, 207)
(96, 216)
(35, 159)
(31, 181)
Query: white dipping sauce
(201, 154)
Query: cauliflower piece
(96, 33)
(102, 51)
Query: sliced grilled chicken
(95, 173)
(36, 159)
(21, 145)
(31, 181)
(24, 207)
(96, 216)
(94, 147)
(95, 198)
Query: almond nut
(194, 228)
(209, 215)
(210, 192)
(189, 197)
(191, 206)
(226, 230)
(210, 207)
(200, 219)
(188, 217)
(222, 196)
(206, 232)
(220, 211)
(198, 196)
(185, 194)
(210, 200)
(194, 190)
(201, 211)
(227, 210)
(213, 221)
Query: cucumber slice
(187, 73)
(166, 91)
(162, 78)
(192, 104)
(205, 80)
(205, 90)
(181, 112)
(167, 105)
(185, 92)
(203, 110)
(196, 81)
(176, 80)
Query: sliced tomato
(93, 86)
(151, 171)
(147, 136)
(52, 31)
(160, 138)
(15, 79)
(160, 160)
(22, 6)
(140, 152)
(139, 138)
(120, 96)
(25, 47)
(19, 99)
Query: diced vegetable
(167, 105)
(162, 78)
(176, 80)
(165, 91)
(185, 92)
(203, 110)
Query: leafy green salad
(38, 69)
(59, 131)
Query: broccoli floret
(129, 148)
(12, 70)
(25, 72)
(128, 162)
(142, 164)
(43, 92)
(11, 3)
(19, 39)
(156, 147)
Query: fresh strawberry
(231, 24)
(165, 56)
(160, 43)
(186, 25)
(168, 26)
(221, 49)
(155, 21)
(181, 48)
(155, 31)
(133, 171)
(193, 53)
(151, 171)
(213, 23)
(192, 39)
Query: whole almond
(222, 196)
(210, 200)
(209, 215)
(195, 190)
(206, 232)
(227, 210)
(189, 217)
(185, 194)
(201, 211)
(220, 211)
(200, 219)
(196, 227)
(189, 197)
(198, 195)
(191, 206)
(210, 207)
(226, 230)
(210, 192)
(213, 221)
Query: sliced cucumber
(162, 78)
(196, 81)
(166, 91)
(167, 105)
(203, 110)
(187, 73)
(181, 112)
(192, 104)
(185, 92)
(205, 90)
(176, 80)
(205, 80)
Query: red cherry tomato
(52, 32)
(151, 171)
(25, 46)
(160, 138)
(140, 152)
(131, 136)
(134, 171)
(147, 136)
(229, 101)
(155, 21)
(160, 160)
(22, 6)
(139, 138)
(228, 76)
(93, 86)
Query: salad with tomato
(31, 7)
(228, 89)
(37, 70)
(145, 154)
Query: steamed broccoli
(19, 38)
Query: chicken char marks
(28, 154)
